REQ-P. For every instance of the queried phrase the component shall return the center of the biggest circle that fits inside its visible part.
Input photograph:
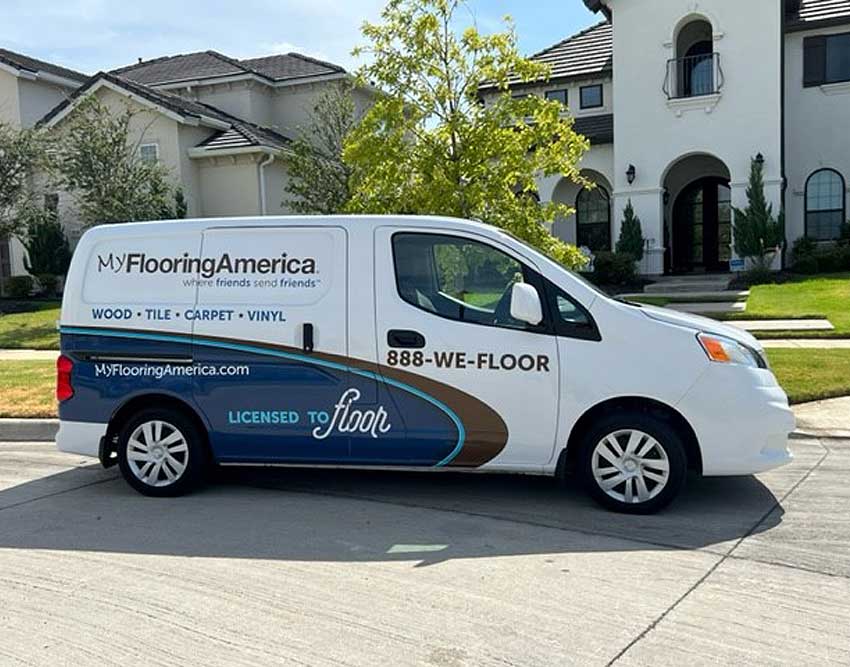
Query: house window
(559, 95)
(824, 205)
(591, 97)
(826, 59)
(593, 219)
(149, 153)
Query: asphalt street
(276, 566)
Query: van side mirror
(525, 304)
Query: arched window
(593, 219)
(825, 205)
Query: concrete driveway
(354, 568)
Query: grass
(33, 329)
(810, 374)
(817, 296)
(27, 389)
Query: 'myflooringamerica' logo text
(206, 267)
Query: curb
(28, 430)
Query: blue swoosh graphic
(240, 347)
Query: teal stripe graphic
(242, 347)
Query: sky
(92, 35)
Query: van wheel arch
(108, 454)
(569, 455)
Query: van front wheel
(160, 453)
(633, 463)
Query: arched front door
(702, 226)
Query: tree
(48, 251)
(757, 231)
(318, 177)
(429, 145)
(631, 236)
(22, 154)
(181, 208)
(97, 161)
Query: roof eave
(199, 152)
(597, 6)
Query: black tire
(194, 457)
(617, 426)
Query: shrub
(20, 287)
(759, 275)
(614, 268)
(756, 230)
(803, 247)
(806, 265)
(631, 236)
(48, 284)
(46, 244)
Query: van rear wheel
(632, 462)
(161, 453)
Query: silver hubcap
(630, 466)
(157, 453)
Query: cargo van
(394, 342)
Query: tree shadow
(350, 515)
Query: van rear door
(270, 338)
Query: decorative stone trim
(705, 102)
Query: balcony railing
(693, 76)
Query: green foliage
(318, 178)
(20, 287)
(430, 146)
(22, 154)
(48, 284)
(757, 232)
(613, 268)
(181, 208)
(631, 236)
(98, 162)
(808, 257)
(46, 245)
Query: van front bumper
(742, 420)
(80, 437)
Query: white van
(394, 342)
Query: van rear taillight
(64, 388)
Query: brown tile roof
(20, 61)
(805, 14)
(254, 135)
(211, 64)
(587, 54)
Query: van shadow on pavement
(337, 515)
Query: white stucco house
(220, 125)
(678, 96)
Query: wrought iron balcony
(693, 76)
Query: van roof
(200, 224)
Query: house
(29, 88)
(218, 124)
(678, 96)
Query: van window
(571, 319)
(458, 278)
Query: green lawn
(27, 387)
(816, 296)
(34, 329)
(809, 375)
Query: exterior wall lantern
(760, 160)
(666, 196)
(631, 172)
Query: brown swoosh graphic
(486, 431)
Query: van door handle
(307, 336)
(405, 338)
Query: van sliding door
(271, 342)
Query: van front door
(270, 342)
(485, 385)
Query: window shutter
(814, 60)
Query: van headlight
(727, 351)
